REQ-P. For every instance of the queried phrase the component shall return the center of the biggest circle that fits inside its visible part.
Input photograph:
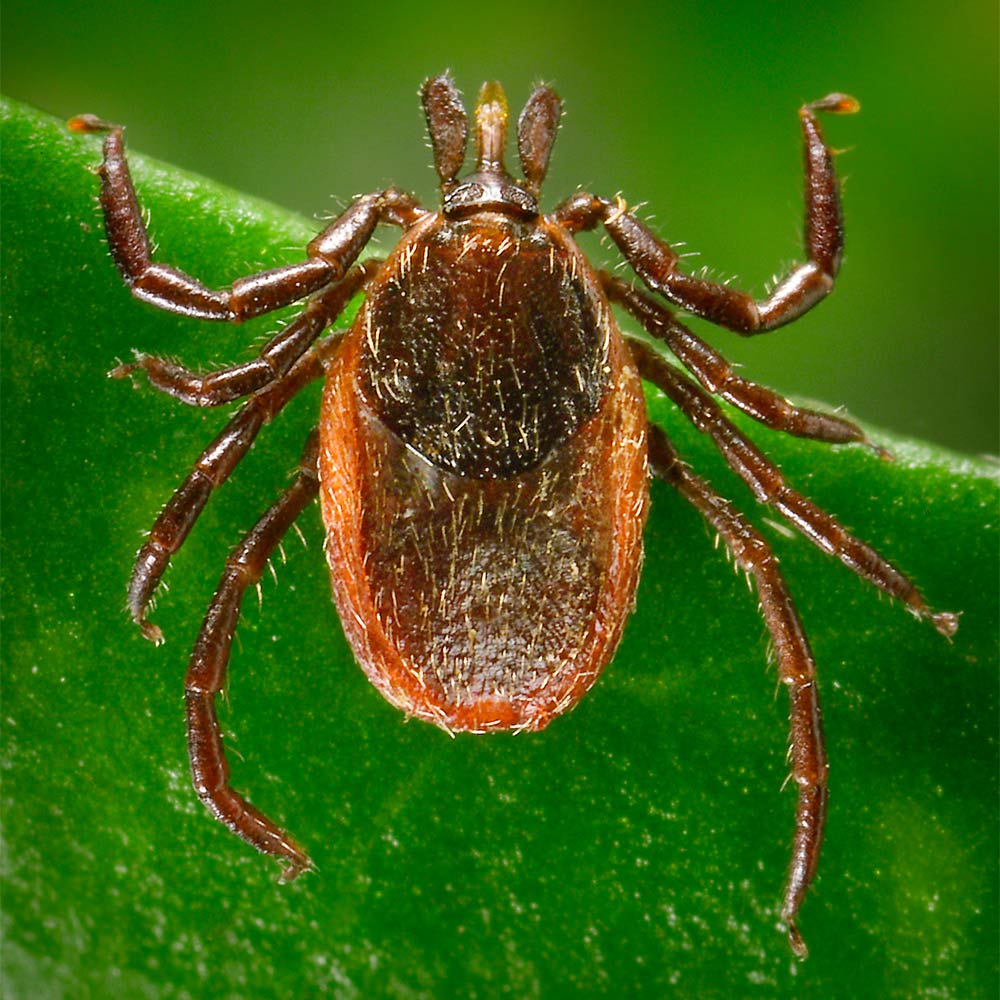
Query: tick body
(482, 453)
(483, 471)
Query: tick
(483, 453)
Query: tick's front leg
(656, 263)
(329, 255)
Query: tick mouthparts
(491, 128)
(84, 124)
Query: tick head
(490, 188)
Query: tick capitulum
(482, 453)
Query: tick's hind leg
(206, 675)
(796, 667)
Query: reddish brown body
(483, 475)
(482, 451)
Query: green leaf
(637, 846)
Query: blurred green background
(638, 846)
(688, 108)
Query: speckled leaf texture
(636, 847)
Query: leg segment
(206, 675)
(718, 377)
(212, 469)
(769, 487)
(274, 360)
(796, 668)
(330, 254)
(655, 262)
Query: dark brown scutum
(483, 345)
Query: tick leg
(656, 263)
(330, 254)
(769, 487)
(212, 469)
(275, 359)
(796, 668)
(206, 675)
(718, 377)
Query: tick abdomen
(484, 565)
